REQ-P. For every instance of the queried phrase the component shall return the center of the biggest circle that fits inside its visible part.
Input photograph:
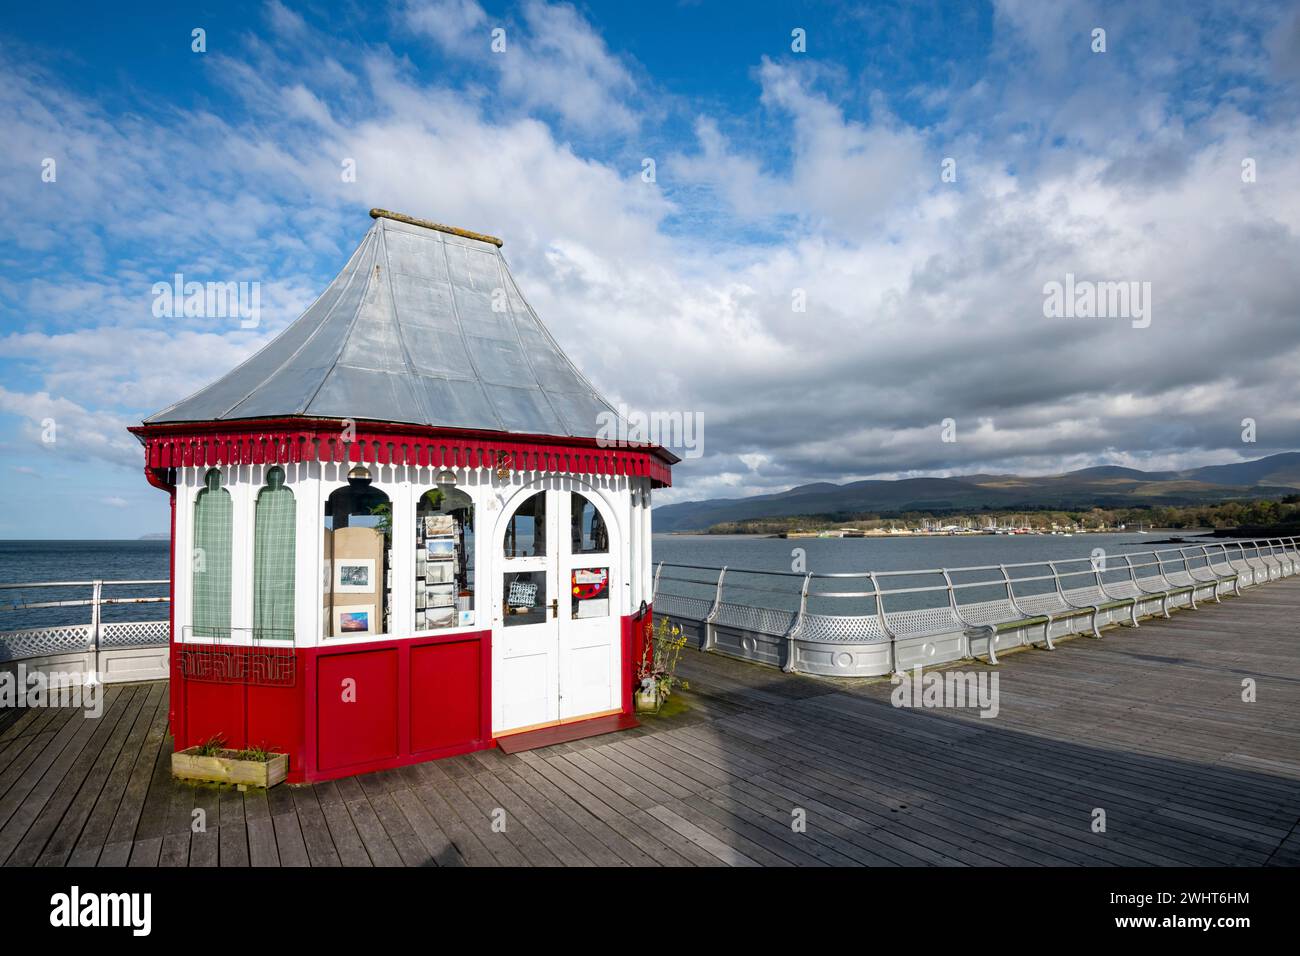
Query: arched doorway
(556, 624)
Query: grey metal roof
(408, 333)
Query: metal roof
(424, 326)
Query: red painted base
(339, 711)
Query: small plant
(259, 754)
(658, 668)
(212, 747)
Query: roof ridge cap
(436, 226)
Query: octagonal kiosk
(395, 533)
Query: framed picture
(439, 572)
(438, 524)
(354, 576)
(353, 620)
(440, 595)
(439, 549)
(440, 617)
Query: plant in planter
(657, 671)
(212, 762)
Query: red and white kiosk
(397, 533)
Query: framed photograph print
(440, 548)
(438, 524)
(440, 595)
(439, 572)
(354, 576)
(354, 620)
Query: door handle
(555, 607)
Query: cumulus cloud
(552, 61)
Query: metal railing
(67, 638)
(766, 614)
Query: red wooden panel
(446, 695)
(275, 719)
(354, 731)
(212, 710)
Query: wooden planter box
(220, 768)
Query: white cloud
(554, 62)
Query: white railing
(873, 622)
(87, 638)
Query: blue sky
(776, 171)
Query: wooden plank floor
(1148, 725)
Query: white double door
(556, 630)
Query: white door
(526, 677)
(590, 643)
(557, 630)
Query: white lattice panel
(841, 630)
(134, 634)
(44, 641)
(760, 620)
(1153, 584)
(1122, 589)
(675, 605)
(923, 621)
(1049, 603)
(1086, 597)
(990, 612)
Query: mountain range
(1105, 486)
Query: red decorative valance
(251, 443)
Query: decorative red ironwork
(284, 441)
(255, 666)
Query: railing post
(1011, 594)
(96, 618)
(956, 613)
(884, 624)
(654, 588)
(710, 635)
(1056, 577)
(789, 667)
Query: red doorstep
(564, 733)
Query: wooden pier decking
(1148, 725)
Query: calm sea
(33, 561)
(840, 555)
(23, 562)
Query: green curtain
(213, 525)
(273, 560)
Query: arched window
(525, 580)
(589, 537)
(526, 530)
(444, 558)
(357, 556)
(589, 534)
(274, 535)
(213, 526)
